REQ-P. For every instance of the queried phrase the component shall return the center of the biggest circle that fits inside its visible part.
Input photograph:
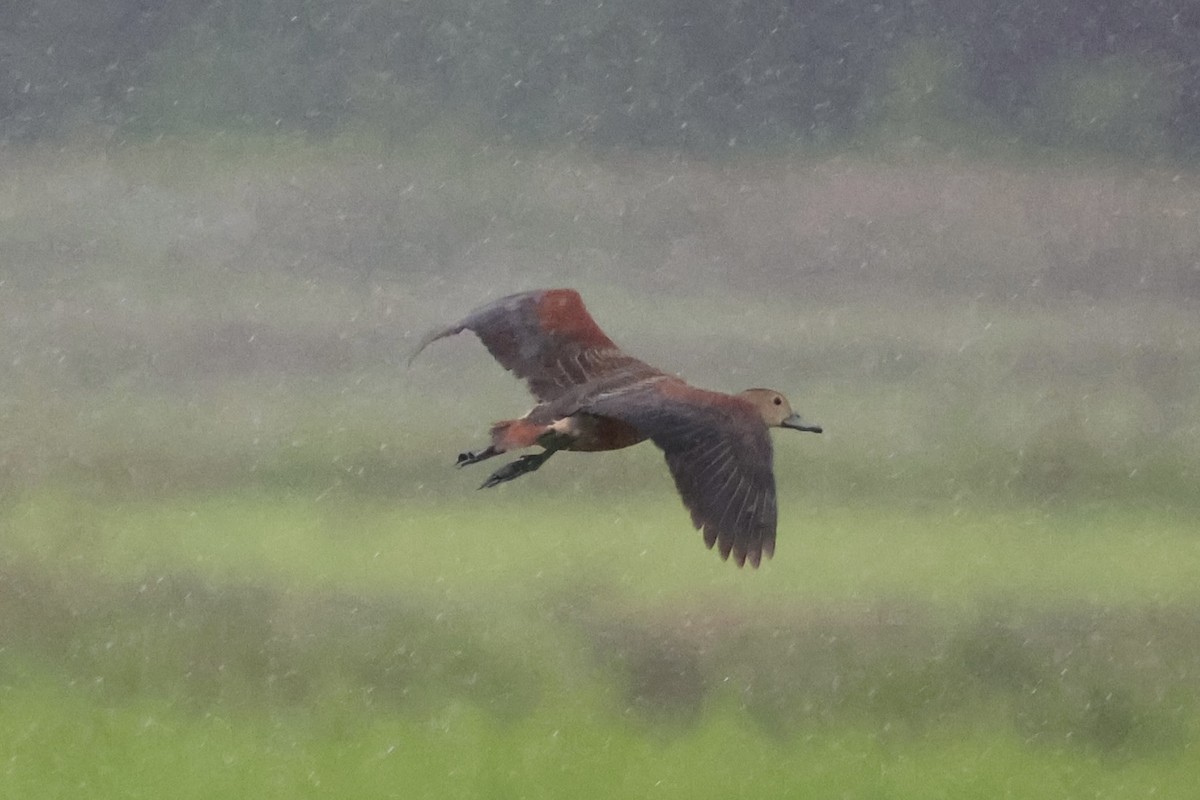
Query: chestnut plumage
(592, 396)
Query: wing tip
(728, 545)
(432, 336)
(752, 555)
(472, 320)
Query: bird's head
(776, 411)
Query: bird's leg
(474, 457)
(516, 469)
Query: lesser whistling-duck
(592, 396)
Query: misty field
(236, 559)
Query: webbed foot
(516, 469)
(474, 457)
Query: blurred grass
(235, 558)
(150, 749)
(290, 645)
(1103, 554)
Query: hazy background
(235, 558)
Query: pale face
(776, 411)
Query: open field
(289, 646)
(235, 558)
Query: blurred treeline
(699, 75)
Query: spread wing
(719, 452)
(547, 338)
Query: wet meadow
(236, 558)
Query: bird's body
(593, 397)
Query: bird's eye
(778, 400)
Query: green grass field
(235, 559)
(543, 645)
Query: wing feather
(719, 453)
(546, 338)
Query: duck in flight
(591, 396)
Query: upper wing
(719, 453)
(547, 338)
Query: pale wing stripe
(716, 472)
(707, 473)
(568, 367)
(733, 501)
(558, 374)
(745, 519)
(585, 376)
(760, 512)
(709, 452)
(752, 534)
(718, 494)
